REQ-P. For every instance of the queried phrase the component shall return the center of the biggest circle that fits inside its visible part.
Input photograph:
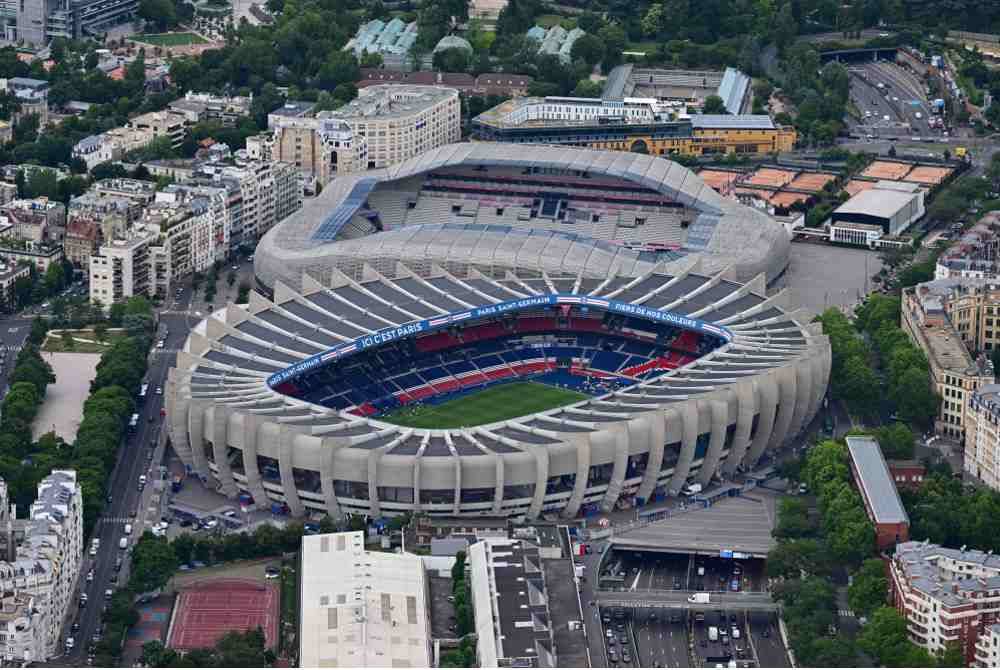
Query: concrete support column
(689, 431)
(787, 391)
(582, 443)
(416, 482)
(220, 443)
(374, 508)
(286, 446)
(611, 495)
(498, 492)
(803, 396)
(327, 468)
(767, 404)
(196, 429)
(251, 424)
(656, 435)
(456, 506)
(719, 410)
(541, 478)
(745, 407)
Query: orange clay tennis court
(927, 174)
(787, 199)
(207, 610)
(811, 181)
(887, 170)
(770, 177)
(718, 178)
(856, 186)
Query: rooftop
(361, 608)
(389, 101)
(875, 481)
(951, 576)
(879, 201)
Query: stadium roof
(733, 90)
(875, 480)
(724, 233)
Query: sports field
(170, 39)
(496, 403)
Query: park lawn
(496, 403)
(550, 20)
(171, 39)
(54, 342)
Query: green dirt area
(84, 342)
(496, 403)
(171, 39)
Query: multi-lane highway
(126, 502)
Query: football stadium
(500, 330)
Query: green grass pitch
(496, 403)
(170, 39)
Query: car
(229, 513)
(114, 578)
(90, 660)
(198, 564)
(235, 268)
(766, 632)
(93, 550)
(70, 643)
(732, 618)
(159, 390)
(736, 632)
(160, 344)
(609, 633)
(75, 627)
(209, 524)
(612, 642)
(623, 637)
(626, 655)
(90, 576)
(96, 637)
(612, 655)
(272, 572)
(183, 567)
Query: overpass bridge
(759, 601)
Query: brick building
(881, 499)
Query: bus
(143, 390)
(133, 423)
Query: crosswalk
(114, 520)
(846, 613)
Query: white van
(713, 634)
(128, 529)
(123, 543)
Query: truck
(713, 634)
(699, 598)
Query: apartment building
(947, 596)
(39, 582)
(982, 435)
(988, 648)
(112, 145)
(40, 255)
(162, 124)
(83, 237)
(121, 267)
(38, 22)
(9, 274)
(947, 319)
(35, 220)
(136, 190)
(975, 255)
(199, 107)
(385, 125)
(33, 97)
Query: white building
(510, 604)
(988, 648)
(39, 583)
(121, 268)
(385, 125)
(361, 608)
(891, 205)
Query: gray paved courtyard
(821, 276)
(62, 410)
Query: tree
(793, 519)
(868, 588)
(613, 38)
(159, 14)
(68, 343)
(859, 386)
(952, 656)
(455, 59)
(153, 562)
(885, 639)
(588, 48)
(714, 105)
(896, 440)
(100, 331)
